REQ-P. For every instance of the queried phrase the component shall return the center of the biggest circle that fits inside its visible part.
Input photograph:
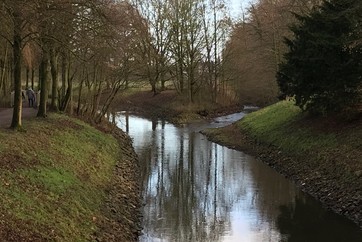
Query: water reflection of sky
(196, 190)
(221, 198)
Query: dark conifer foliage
(323, 68)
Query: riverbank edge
(122, 208)
(310, 178)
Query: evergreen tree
(323, 67)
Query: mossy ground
(54, 176)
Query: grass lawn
(284, 126)
(53, 176)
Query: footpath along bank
(323, 156)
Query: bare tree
(18, 19)
(256, 48)
(182, 38)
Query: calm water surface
(196, 190)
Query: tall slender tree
(18, 18)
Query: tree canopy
(322, 69)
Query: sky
(235, 6)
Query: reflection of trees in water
(188, 190)
(191, 186)
(306, 221)
(270, 192)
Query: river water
(197, 190)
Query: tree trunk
(64, 75)
(3, 73)
(68, 95)
(107, 104)
(215, 59)
(97, 99)
(54, 72)
(27, 78)
(32, 78)
(80, 96)
(16, 120)
(39, 77)
(153, 86)
(162, 77)
(66, 98)
(43, 76)
(94, 91)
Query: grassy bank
(56, 178)
(322, 155)
(285, 127)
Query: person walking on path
(31, 96)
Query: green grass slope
(285, 127)
(53, 177)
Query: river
(197, 190)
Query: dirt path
(6, 115)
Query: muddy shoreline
(323, 182)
